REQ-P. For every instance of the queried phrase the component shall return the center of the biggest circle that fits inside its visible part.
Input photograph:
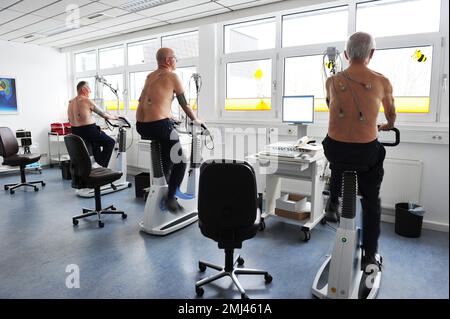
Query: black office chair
(228, 213)
(9, 149)
(84, 176)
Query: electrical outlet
(292, 131)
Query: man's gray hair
(359, 46)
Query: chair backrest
(79, 156)
(227, 198)
(8, 142)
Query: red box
(67, 128)
(57, 128)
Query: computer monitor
(298, 109)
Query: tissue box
(295, 215)
(291, 203)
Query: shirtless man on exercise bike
(354, 98)
(153, 118)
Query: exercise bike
(157, 219)
(341, 275)
(118, 161)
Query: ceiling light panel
(139, 5)
(169, 7)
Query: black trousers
(163, 131)
(102, 144)
(371, 154)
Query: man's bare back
(79, 111)
(156, 98)
(354, 103)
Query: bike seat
(349, 167)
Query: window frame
(245, 56)
(126, 69)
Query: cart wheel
(305, 235)
(262, 224)
(199, 291)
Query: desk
(295, 168)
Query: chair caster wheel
(100, 224)
(262, 225)
(201, 267)
(75, 221)
(240, 261)
(6, 188)
(36, 189)
(11, 191)
(113, 208)
(305, 235)
(199, 291)
(268, 278)
(323, 221)
(43, 184)
(129, 185)
(124, 216)
(244, 296)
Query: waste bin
(408, 219)
(141, 181)
(65, 170)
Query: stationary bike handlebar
(121, 122)
(397, 138)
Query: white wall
(42, 89)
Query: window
(249, 85)
(320, 26)
(137, 81)
(380, 18)
(142, 52)
(249, 36)
(409, 71)
(86, 61)
(111, 57)
(185, 75)
(109, 98)
(184, 45)
(304, 76)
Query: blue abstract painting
(8, 97)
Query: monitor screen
(298, 109)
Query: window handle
(444, 82)
(274, 85)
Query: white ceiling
(46, 22)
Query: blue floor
(38, 242)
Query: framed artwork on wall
(8, 95)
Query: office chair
(84, 176)
(9, 149)
(228, 213)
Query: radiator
(401, 183)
